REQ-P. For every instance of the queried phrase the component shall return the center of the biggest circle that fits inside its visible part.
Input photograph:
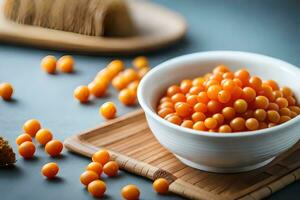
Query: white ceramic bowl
(215, 152)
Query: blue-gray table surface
(262, 26)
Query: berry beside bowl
(212, 151)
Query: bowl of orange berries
(223, 111)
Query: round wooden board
(157, 27)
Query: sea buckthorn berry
(209, 83)
(229, 85)
(273, 116)
(116, 66)
(183, 109)
(192, 100)
(27, 149)
(102, 156)
(165, 111)
(174, 89)
(273, 84)
(179, 97)
(285, 111)
(97, 188)
(98, 88)
(260, 115)
(203, 98)
(96, 167)
(111, 168)
(186, 85)
(261, 102)
(142, 72)
(277, 94)
(140, 62)
(199, 125)
(48, 64)
(284, 119)
(255, 83)
(248, 94)
(161, 186)
(286, 91)
(221, 69)
(119, 82)
(198, 81)
(196, 90)
(130, 192)
(217, 77)
(228, 75)
(214, 106)
(207, 75)
(273, 106)
(238, 124)
(210, 123)
(240, 106)
(267, 91)
(243, 75)
(295, 109)
(293, 114)
(127, 97)
(130, 75)
(108, 110)
(200, 107)
(50, 170)
(82, 93)
(263, 125)
(105, 74)
(6, 91)
(31, 127)
(65, 64)
(133, 85)
(23, 138)
(43, 136)
(291, 100)
(187, 124)
(54, 148)
(225, 129)
(88, 176)
(228, 113)
(271, 125)
(168, 104)
(224, 96)
(238, 82)
(175, 119)
(282, 102)
(219, 117)
(236, 93)
(198, 116)
(252, 124)
(165, 99)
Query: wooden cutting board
(134, 147)
(157, 27)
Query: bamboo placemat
(134, 147)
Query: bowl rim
(170, 62)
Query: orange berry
(127, 97)
(98, 88)
(267, 91)
(27, 149)
(238, 82)
(291, 100)
(65, 64)
(54, 148)
(130, 192)
(240, 106)
(88, 176)
(228, 113)
(82, 93)
(96, 167)
(199, 125)
(238, 124)
(166, 105)
(261, 102)
(115, 66)
(217, 77)
(165, 99)
(111, 168)
(228, 85)
(260, 115)
(50, 170)
(295, 109)
(198, 81)
(108, 110)
(273, 106)
(187, 124)
(192, 100)
(247, 114)
(174, 89)
(214, 106)
(179, 97)
(271, 125)
(183, 109)
(277, 93)
(255, 82)
(225, 129)
(293, 114)
(165, 111)
(133, 85)
(224, 96)
(221, 69)
(286, 91)
(198, 116)
(210, 123)
(186, 85)
(31, 127)
(284, 119)
(175, 119)
(262, 125)
(203, 98)
(236, 93)
(140, 62)
(273, 116)
(209, 83)
(119, 82)
(252, 124)
(105, 74)
(6, 91)
(243, 75)
(284, 111)
(196, 90)
(130, 75)
(161, 186)
(142, 72)
(97, 188)
(48, 64)
(219, 117)
(273, 84)
(23, 138)
(102, 156)
(282, 102)
(200, 107)
(43, 136)
(228, 75)
(248, 94)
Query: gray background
(261, 26)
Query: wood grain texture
(157, 27)
(134, 147)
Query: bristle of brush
(89, 17)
